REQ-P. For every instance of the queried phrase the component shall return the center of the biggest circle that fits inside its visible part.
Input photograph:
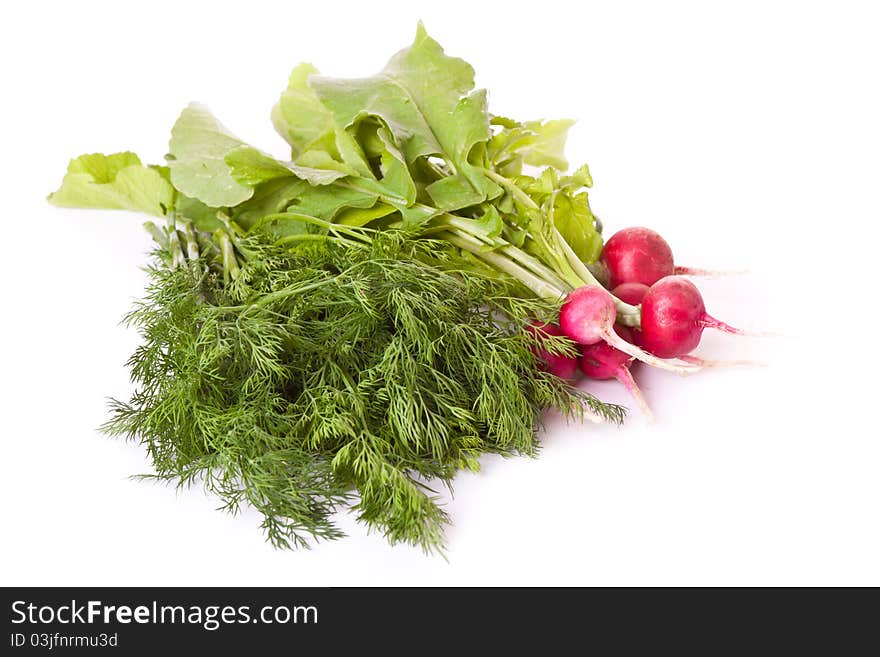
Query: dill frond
(329, 377)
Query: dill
(335, 376)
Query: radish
(637, 255)
(640, 255)
(631, 293)
(673, 318)
(565, 367)
(602, 361)
(588, 316)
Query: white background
(745, 132)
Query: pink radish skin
(637, 255)
(565, 367)
(640, 255)
(588, 316)
(602, 361)
(673, 318)
(631, 293)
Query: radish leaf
(117, 182)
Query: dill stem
(312, 237)
(336, 228)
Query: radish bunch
(668, 327)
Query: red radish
(640, 255)
(602, 361)
(673, 318)
(565, 367)
(588, 316)
(631, 293)
(634, 293)
(637, 255)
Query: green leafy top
(209, 164)
(426, 99)
(412, 147)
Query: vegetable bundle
(413, 288)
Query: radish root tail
(626, 378)
(616, 341)
(710, 322)
(709, 273)
(705, 362)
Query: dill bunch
(338, 374)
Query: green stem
(458, 225)
(335, 228)
(563, 267)
(560, 262)
(311, 237)
(537, 285)
(192, 244)
(289, 291)
(626, 314)
(512, 187)
(156, 233)
(556, 236)
(177, 257)
(230, 264)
